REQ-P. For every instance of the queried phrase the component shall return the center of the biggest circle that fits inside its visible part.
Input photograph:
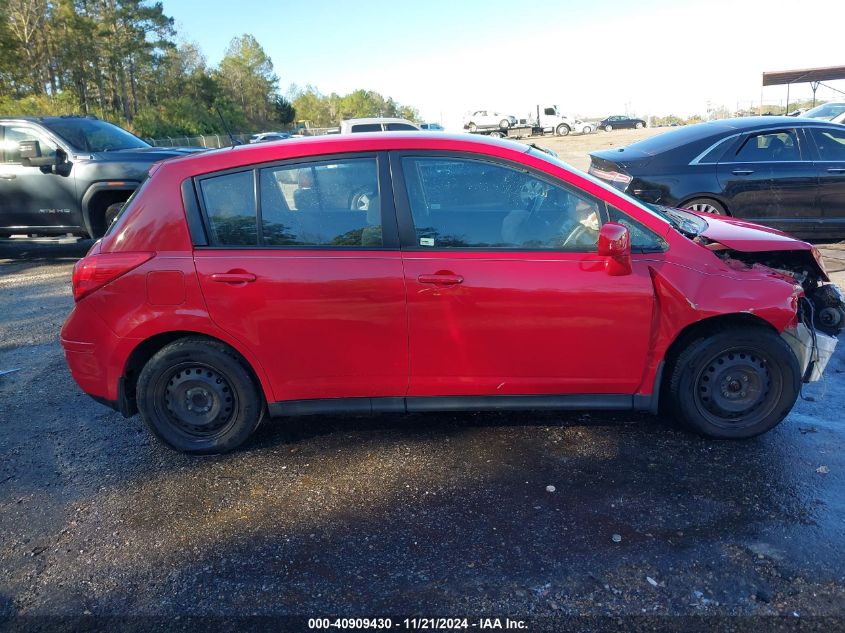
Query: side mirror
(31, 156)
(615, 245)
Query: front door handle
(233, 278)
(836, 170)
(441, 279)
(8, 176)
(742, 172)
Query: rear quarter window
(229, 202)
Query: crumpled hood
(748, 237)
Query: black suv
(68, 174)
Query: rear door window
(768, 147)
(394, 127)
(327, 203)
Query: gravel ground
(521, 515)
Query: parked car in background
(245, 283)
(431, 127)
(784, 172)
(377, 124)
(620, 122)
(488, 120)
(69, 174)
(833, 111)
(584, 127)
(264, 137)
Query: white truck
(545, 120)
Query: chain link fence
(222, 140)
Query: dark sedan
(619, 122)
(784, 172)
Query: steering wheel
(575, 237)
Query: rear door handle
(233, 278)
(836, 170)
(440, 280)
(742, 172)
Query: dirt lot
(575, 148)
(426, 515)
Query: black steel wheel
(198, 396)
(734, 383)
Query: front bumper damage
(812, 348)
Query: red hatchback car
(421, 272)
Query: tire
(562, 130)
(504, 124)
(210, 376)
(705, 205)
(472, 127)
(733, 383)
(112, 212)
(608, 128)
(638, 125)
(497, 135)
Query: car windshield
(826, 111)
(687, 223)
(554, 160)
(91, 135)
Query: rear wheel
(733, 384)
(705, 205)
(497, 134)
(198, 396)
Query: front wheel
(638, 125)
(733, 384)
(112, 211)
(608, 128)
(198, 396)
(562, 130)
(504, 124)
(473, 128)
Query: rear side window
(831, 144)
(466, 203)
(330, 203)
(229, 202)
(366, 127)
(770, 147)
(396, 127)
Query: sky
(593, 59)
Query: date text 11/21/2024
(418, 624)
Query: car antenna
(226, 127)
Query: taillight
(95, 271)
(611, 176)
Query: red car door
(303, 270)
(506, 292)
